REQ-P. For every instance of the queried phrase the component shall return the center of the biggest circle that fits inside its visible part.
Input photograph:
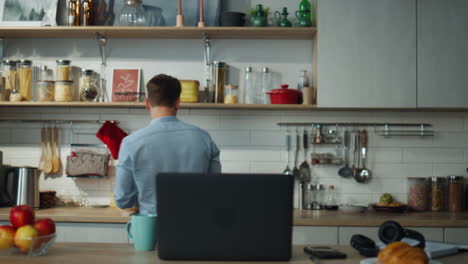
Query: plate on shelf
(376, 261)
(390, 209)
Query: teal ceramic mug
(142, 231)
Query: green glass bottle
(304, 14)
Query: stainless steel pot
(27, 187)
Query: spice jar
(25, 79)
(455, 193)
(231, 94)
(10, 74)
(63, 70)
(45, 91)
(437, 193)
(63, 91)
(87, 86)
(15, 96)
(417, 194)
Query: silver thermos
(28, 186)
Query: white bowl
(349, 208)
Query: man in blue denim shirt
(165, 145)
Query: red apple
(26, 237)
(45, 227)
(7, 235)
(21, 215)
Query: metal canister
(219, 77)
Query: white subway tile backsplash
(450, 169)
(249, 122)
(5, 136)
(267, 167)
(230, 137)
(436, 155)
(267, 138)
(384, 155)
(250, 155)
(235, 166)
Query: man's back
(165, 145)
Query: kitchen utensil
(296, 172)
(55, 155)
(201, 23)
(48, 164)
(288, 171)
(180, 17)
(284, 95)
(364, 174)
(346, 171)
(43, 150)
(355, 154)
(304, 167)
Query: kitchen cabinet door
(442, 53)
(366, 53)
(91, 232)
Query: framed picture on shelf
(28, 12)
(126, 85)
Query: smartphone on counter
(324, 253)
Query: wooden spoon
(55, 156)
(48, 165)
(43, 150)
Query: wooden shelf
(142, 105)
(159, 32)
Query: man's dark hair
(163, 90)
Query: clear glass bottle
(63, 72)
(250, 89)
(303, 81)
(25, 79)
(266, 85)
(417, 194)
(88, 89)
(331, 203)
(437, 193)
(132, 14)
(455, 193)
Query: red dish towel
(112, 135)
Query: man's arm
(125, 193)
(215, 163)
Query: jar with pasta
(437, 193)
(63, 91)
(45, 91)
(10, 74)
(88, 89)
(417, 194)
(2, 89)
(455, 193)
(231, 94)
(25, 79)
(63, 71)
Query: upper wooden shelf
(159, 32)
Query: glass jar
(251, 95)
(74, 12)
(2, 89)
(63, 72)
(87, 17)
(44, 74)
(219, 77)
(231, 94)
(63, 91)
(15, 96)
(417, 194)
(437, 193)
(455, 191)
(132, 14)
(88, 89)
(25, 79)
(45, 91)
(10, 74)
(331, 203)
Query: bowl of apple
(26, 236)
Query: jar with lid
(417, 194)
(437, 193)
(219, 77)
(63, 71)
(63, 91)
(15, 96)
(455, 191)
(231, 94)
(88, 89)
(45, 91)
(10, 74)
(45, 74)
(25, 79)
(132, 14)
(2, 89)
(331, 203)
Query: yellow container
(189, 91)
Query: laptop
(224, 217)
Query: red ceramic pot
(284, 95)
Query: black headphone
(390, 231)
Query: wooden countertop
(301, 218)
(91, 253)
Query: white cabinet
(91, 232)
(442, 53)
(366, 53)
(315, 235)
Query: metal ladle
(346, 171)
(288, 171)
(364, 174)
